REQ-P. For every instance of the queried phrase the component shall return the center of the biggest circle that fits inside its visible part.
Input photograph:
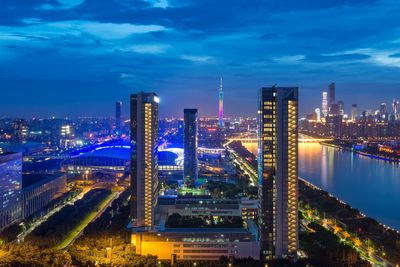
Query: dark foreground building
(190, 139)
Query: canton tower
(220, 105)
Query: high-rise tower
(324, 104)
(190, 141)
(354, 112)
(221, 105)
(331, 96)
(118, 106)
(144, 161)
(278, 171)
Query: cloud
(147, 48)
(199, 59)
(336, 58)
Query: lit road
(44, 218)
(78, 231)
(244, 165)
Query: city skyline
(58, 54)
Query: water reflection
(370, 185)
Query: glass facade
(190, 143)
(10, 188)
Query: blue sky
(77, 57)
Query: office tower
(354, 112)
(118, 106)
(334, 110)
(324, 104)
(190, 139)
(278, 171)
(318, 112)
(220, 105)
(396, 110)
(341, 107)
(383, 108)
(66, 136)
(20, 130)
(10, 188)
(144, 161)
(331, 96)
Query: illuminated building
(10, 188)
(324, 104)
(331, 96)
(278, 172)
(318, 112)
(198, 243)
(354, 112)
(67, 136)
(118, 106)
(221, 105)
(144, 161)
(396, 110)
(190, 141)
(341, 107)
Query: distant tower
(118, 106)
(221, 105)
(324, 104)
(144, 160)
(332, 93)
(354, 112)
(396, 109)
(190, 140)
(318, 112)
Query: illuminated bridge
(302, 139)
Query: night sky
(76, 57)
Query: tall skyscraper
(396, 110)
(190, 141)
(118, 106)
(10, 188)
(331, 96)
(278, 171)
(144, 161)
(221, 105)
(318, 112)
(324, 104)
(341, 107)
(354, 112)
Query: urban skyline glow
(86, 53)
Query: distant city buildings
(190, 143)
(144, 162)
(278, 171)
(10, 188)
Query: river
(369, 185)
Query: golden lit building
(144, 162)
(278, 171)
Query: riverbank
(378, 243)
(365, 154)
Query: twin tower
(277, 166)
(144, 158)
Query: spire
(220, 86)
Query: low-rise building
(198, 244)
(38, 194)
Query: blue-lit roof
(118, 152)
